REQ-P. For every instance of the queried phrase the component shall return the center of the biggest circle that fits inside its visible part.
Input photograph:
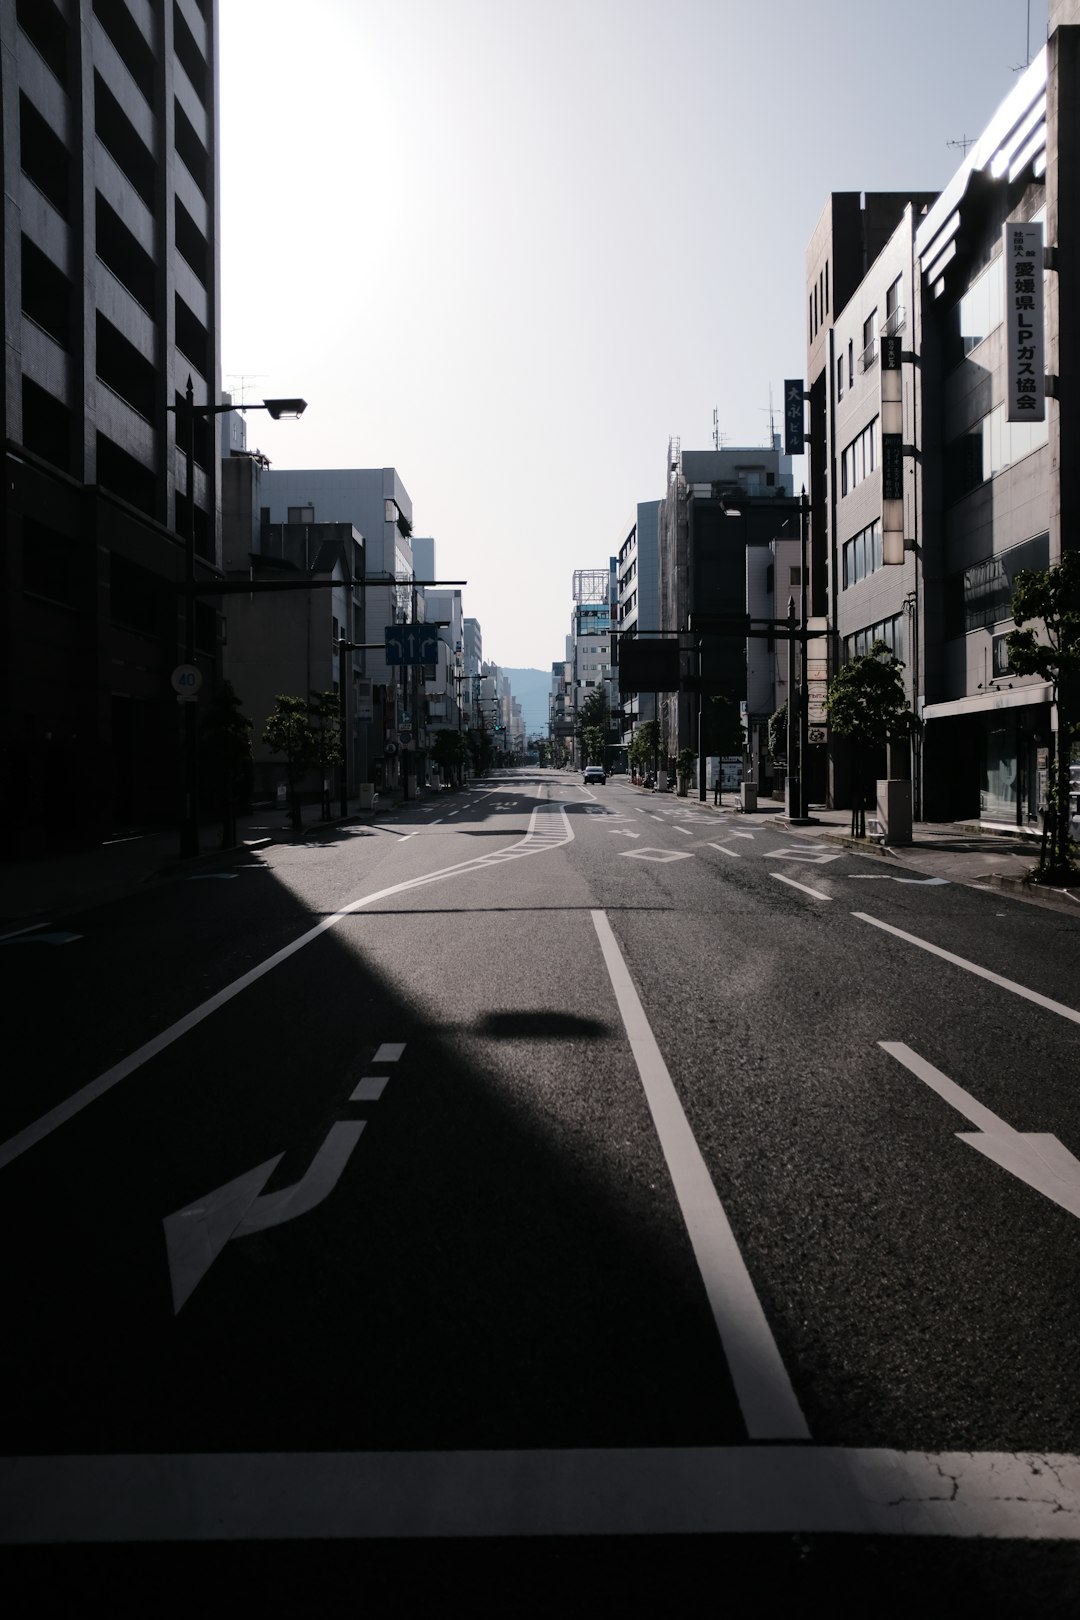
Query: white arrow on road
(195, 1236)
(891, 877)
(623, 832)
(1034, 1157)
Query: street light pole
(791, 786)
(804, 685)
(185, 423)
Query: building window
(840, 378)
(890, 631)
(862, 555)
(860, 458)
(979, 311)
(301, 514)
(988, 448)
(894, 309)
(869, 338)
(981, 596)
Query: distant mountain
(531, 688)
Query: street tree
(867, 704)
(326, 730)
(225, 743)
(1046, 642)
(448, 752)
(288, 731)
(593, 745)
(643, 748)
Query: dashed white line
(725, 851)
(534, 842)
(817, 894)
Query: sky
(512, 248)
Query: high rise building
(110, 276)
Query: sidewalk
(37, 888)
(958, 851)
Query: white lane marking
(26, 937)
(1035, 1157)
(660, 855)
(632, 1491)
(768, 1402)
(742, 835)
(623, 832)
(652, 817)
(725, 851)
(196, 1235)
(370, 1089)
(406, 836)
(891, 877)
(685, 831)
(817, 894)
(389, 1052)
(810, 856)
(440, 820)
(973, 967)
(535, 842)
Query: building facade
(110, 276)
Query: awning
(1017, 698)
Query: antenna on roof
(243, 378)
(715, 428)
(1020, 67)
(963, 143)
(772, 419)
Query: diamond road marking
(658, 855)
(805, 855)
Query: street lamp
(186, 412)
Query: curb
(1024, 889)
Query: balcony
(896, 321)
(869, 357)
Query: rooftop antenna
(243, 378)
(772, 419)
(715, 428)
(1020, 67)
(963, 143)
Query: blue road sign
(412, 644)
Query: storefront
(1003, 738)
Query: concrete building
(110, 278)
(920, 546)
(638, 610)
(287, 641)
(719, 504)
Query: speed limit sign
(186, 680)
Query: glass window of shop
(1015, 761)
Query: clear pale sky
(510, 248)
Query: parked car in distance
(594, 773)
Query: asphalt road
(536, 1176)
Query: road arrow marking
(1034, 1157)
(195, 1236)
(891, 877)
(623, 832)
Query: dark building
(110, 275)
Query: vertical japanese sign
(1025, 342)
(892, 451)
(794, 437)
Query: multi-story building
(719, 504)
(638, 610)
(110, 277)
(377, 505)
(919, 532)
